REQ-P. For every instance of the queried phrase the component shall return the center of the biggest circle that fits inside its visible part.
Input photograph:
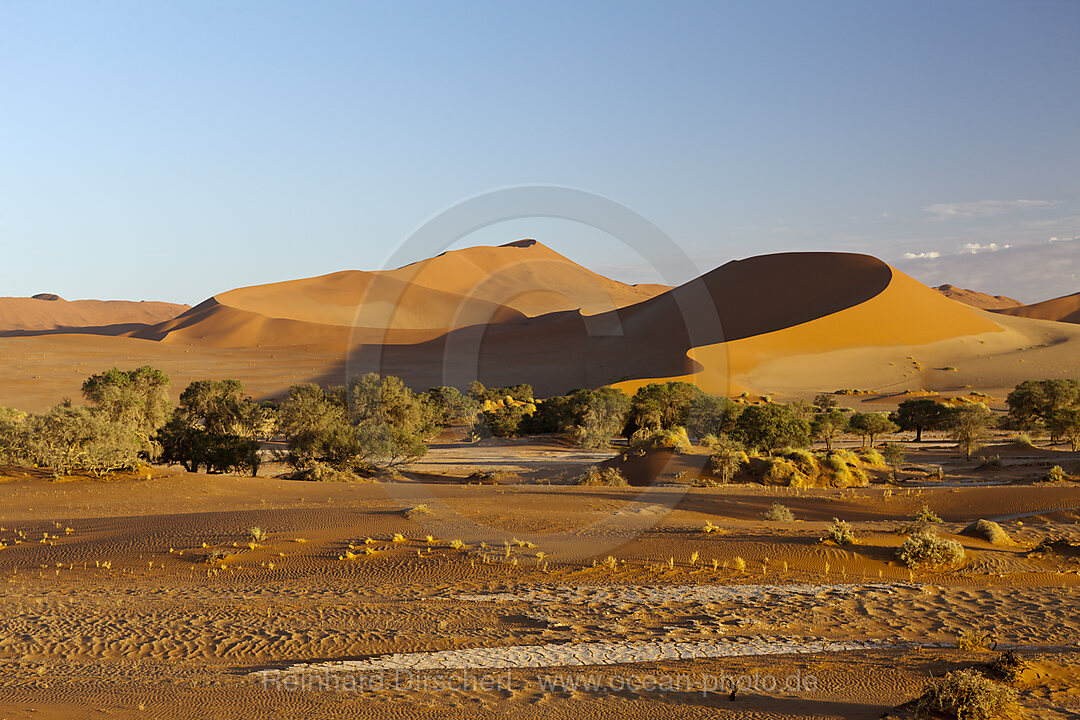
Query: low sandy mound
(475, 286)
(50, 312)
(1062, 309)
(977, 299)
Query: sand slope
(474, 286)
(1062, 309)
(18, 314)
(974, 298)
(714, 330)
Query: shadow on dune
(565, 350)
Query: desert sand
(111, 607)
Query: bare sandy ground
(111, 609)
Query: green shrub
(840, 532)
(1023, 440)
(924, 549)
(728, 457)
(778, 513)
(968, 695)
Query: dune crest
(46, 312)
(974, 298)
(413, 303)
(1062, 309)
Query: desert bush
(1056, 474)
(894, 454)
(968, 695)
(136, 399)
(709, 440)
(937, 472)
(778, 513)
(989, 531)
(974, 641)
(924, 549)
(845, 472)
(926, 515)
(782, 471)
(673, 438)
(417, 511)
(70, 439)
(840, 532)
(872, 457)
(1007, 667)
(1023, 440)
(323, 472)
(257, 534)
(607, 476)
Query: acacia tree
(968, 425)
(598, 415)
(1035, 401)
(660, 406)
(772, 426)
(870, 426)
(921, 414)
(135, 399)
(216, 426)
(67, 439)
(1065, 423)
(827, 426)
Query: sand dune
(788, 324)
(1062, 309)
(715, 331)
(49, 312)
(977, 299)
(474, 286)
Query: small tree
(136, 399)
(869, 426)
(772, 426)
(1035, 401)
(967, 426)
(826, 401)
(894, 454)
(1064, 423)
(921, 414)
(827, 426)
(598, 415)
(727, 457)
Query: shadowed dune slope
(784, 304)
(977, 299)
(22, 315)
(475, 286)
(1062, 309)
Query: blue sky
(154, 150)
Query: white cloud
(974, 248)
(981, 208)
(930, 255)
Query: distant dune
(1062, 309)
(977, 299)
(790, 325)
(47, 312)
(474, 286)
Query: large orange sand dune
(20, 314)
